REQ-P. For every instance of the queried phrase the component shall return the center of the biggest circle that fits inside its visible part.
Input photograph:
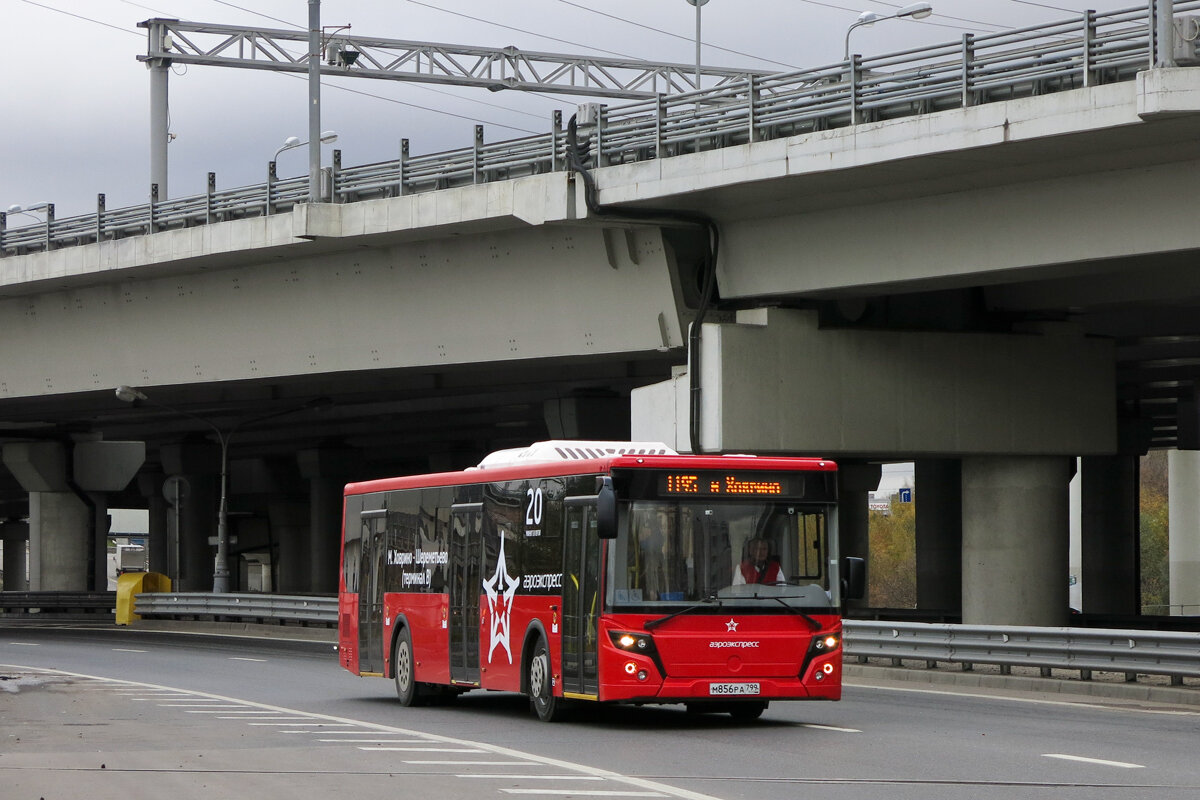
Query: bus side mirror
(854, 578)
(606, 510)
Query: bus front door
(581, 598)
(370, 595)
(466, 581)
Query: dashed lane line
(639, 787)
(1098, 761)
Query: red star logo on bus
(500, 589)
(731, 626)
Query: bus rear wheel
(748, 710)
(402, 666)
(541, 686)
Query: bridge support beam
(1016, 520)
(199, 465)
(1184, 537)
(327, 471)
(1109, 554)
(58, 542)
(14, 535)
(939, 535)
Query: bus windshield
(692, 550)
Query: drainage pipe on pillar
(1164, 39)
(92, 541)
(576, 159)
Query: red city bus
(618, 573)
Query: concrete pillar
(1015, 540)
(15, 536)
(289, 520)
(150, 485)
(855, 483)
(325, 504)
(1184, 525)
(58, 542)
(939, 535)
(327, 471)
(1109, 553)
(199, 465)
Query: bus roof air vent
(571, 450)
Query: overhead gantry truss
(179, 42)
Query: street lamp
(292, 142)
(45, 208)
(914, 11)
(697, 4)
(129, 394)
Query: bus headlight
(826, 643)
(632, 642)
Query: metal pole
(159, 70)
(221, 565)
(1164, 11)
(314, 97)
(698, 5)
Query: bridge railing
(1086, 50)
(1133, 652)
(247, 607)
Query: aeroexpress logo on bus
(500, 589)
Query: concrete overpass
(993, 290)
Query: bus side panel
(427, 615)
(348, 631)
(498, 672)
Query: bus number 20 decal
(533, 513)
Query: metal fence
(1086, 50)
(1172, 654)
(258, 608)
(1132, 652)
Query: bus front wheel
(402, 666)
(541, 686)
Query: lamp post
(45, 208)
(292, 142)
(129, 394)
(697, 4)
(913, 11)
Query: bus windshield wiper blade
(816, 626)
(654, 623)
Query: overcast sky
(76, 99)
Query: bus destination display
(730, 484)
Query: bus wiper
(654, 623)
(816, 626)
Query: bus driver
(757, 567)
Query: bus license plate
(732, 688)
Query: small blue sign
(906, 495)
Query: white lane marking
(816, 727)
(536, 777)
(1030, 700)
(654, 789)
(1102, 762)
(200, 704)
(297, 724)
(588, 792)
(24, 644)
(377, 740)
(243, 658)
(128, 650)
(460, 762)
(423, 749)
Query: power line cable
(80, 16)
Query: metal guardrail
(308, 610)
(1086, 50)
(1173, 654)
(57, 603)
(1133, 652)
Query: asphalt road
(120, 714)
